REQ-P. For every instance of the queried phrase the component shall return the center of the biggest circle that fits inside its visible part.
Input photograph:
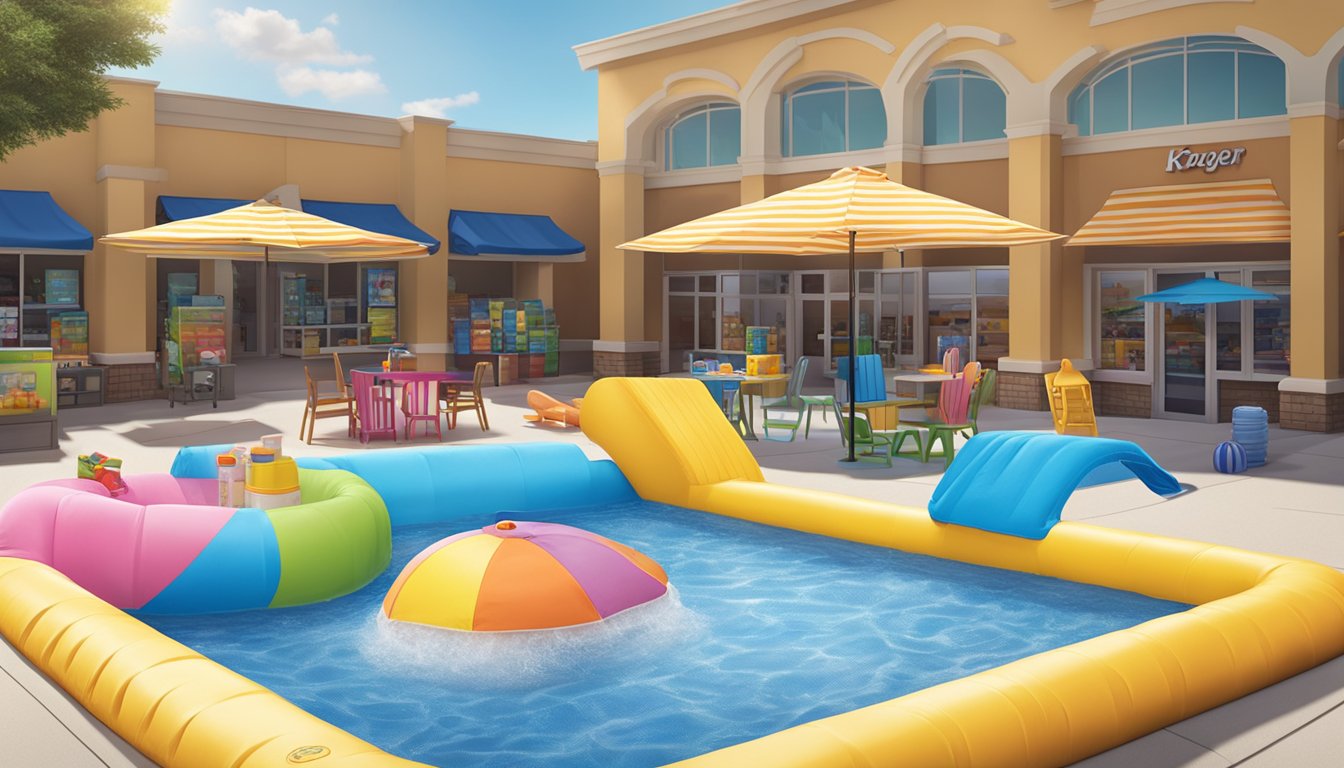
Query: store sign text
(1184, 159)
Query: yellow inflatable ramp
(174, 705)
(1258, 619)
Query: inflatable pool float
(1257, 618)
(165, 546)
(514, 576)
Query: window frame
(1177, 46)
(960, 74)
(707, 109)
(846, 85)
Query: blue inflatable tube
(441, 483)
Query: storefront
(907, 316)
(41, 267)
(301, 309)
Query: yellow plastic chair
(1070, 395)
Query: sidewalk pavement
(1294, 505)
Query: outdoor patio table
(920, 380)
(379, 375)
(773, 385)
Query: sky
(495, 65)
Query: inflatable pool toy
(1229, 457)
(521, 575)
(166, 546)
(1257, 619)
(549, 410)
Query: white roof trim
(1273, 127)
(520, 148)
(702, 26)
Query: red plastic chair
(376, 404)
(420, 402)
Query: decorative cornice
(407, 122)
(721, 174)
(702, 26)
(1179, 135)
(130, 80)
(519, 148)
(194, 110)
(1108, 11)
(1315, 109)
(1036, 128)
(623, 167)
(968, 152)
(902, 153)
(131, 172)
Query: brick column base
(1262, 393)
(1023, 391)
(1116, 398)
(1312, 412)
(138, 381)
(626, 364)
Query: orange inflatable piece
(550, 411)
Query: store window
(896, 326)
(1122, 328)
(34, 290)
(991, 315)
(1227, 327)
(705, 136)
(950, 306)
(337, 307)
(963, 105)
(1179, 82)
(726, 313)
(833, 116)
(1271, 332)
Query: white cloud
(335, 85)
(272, 36)
(331, 19)
(440, 107)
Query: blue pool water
(765, 629)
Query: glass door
(249, 296)
(1185, 351)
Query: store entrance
(1186, 388)
(249, 322)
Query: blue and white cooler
(1250, 428)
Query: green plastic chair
(868, 446)
(791, 404)
(824, 402)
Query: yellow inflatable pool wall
(174, 705)
(1258, 619)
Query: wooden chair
(346, 389)
(324, 406)
(455, 400)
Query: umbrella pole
(853, 340)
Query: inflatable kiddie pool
(1257, 618)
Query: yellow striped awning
(817, 218)
(261, 230)
(1190, 214)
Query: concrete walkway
(1293, 506)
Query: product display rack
(315, 324)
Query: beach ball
(522, 575)
(1229, 457)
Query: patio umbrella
(254, 231)
(1206, 290)
(855, 210)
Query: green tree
(53, 54)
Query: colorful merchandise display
(27, 382)
(196, 335)
(70, 334)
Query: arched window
(1341, 82)
(1178, 82)
(710, 134)
(962, 105)
(833, 116)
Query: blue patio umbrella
(1206, 290)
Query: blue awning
(480, 236)
(32, 221)
(383, 218)
(174, 208)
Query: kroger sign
(1184, 160)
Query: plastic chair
(376, 404)
(953, 411)
(454, 400)
(420, 402)
(321, 406)
(791, 403)
(981, 394)
(1070, 395)
(869, 446)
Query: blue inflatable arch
(1017, 482)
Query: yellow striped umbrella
(254, 231)
(856, 209)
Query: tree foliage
(53, 54)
